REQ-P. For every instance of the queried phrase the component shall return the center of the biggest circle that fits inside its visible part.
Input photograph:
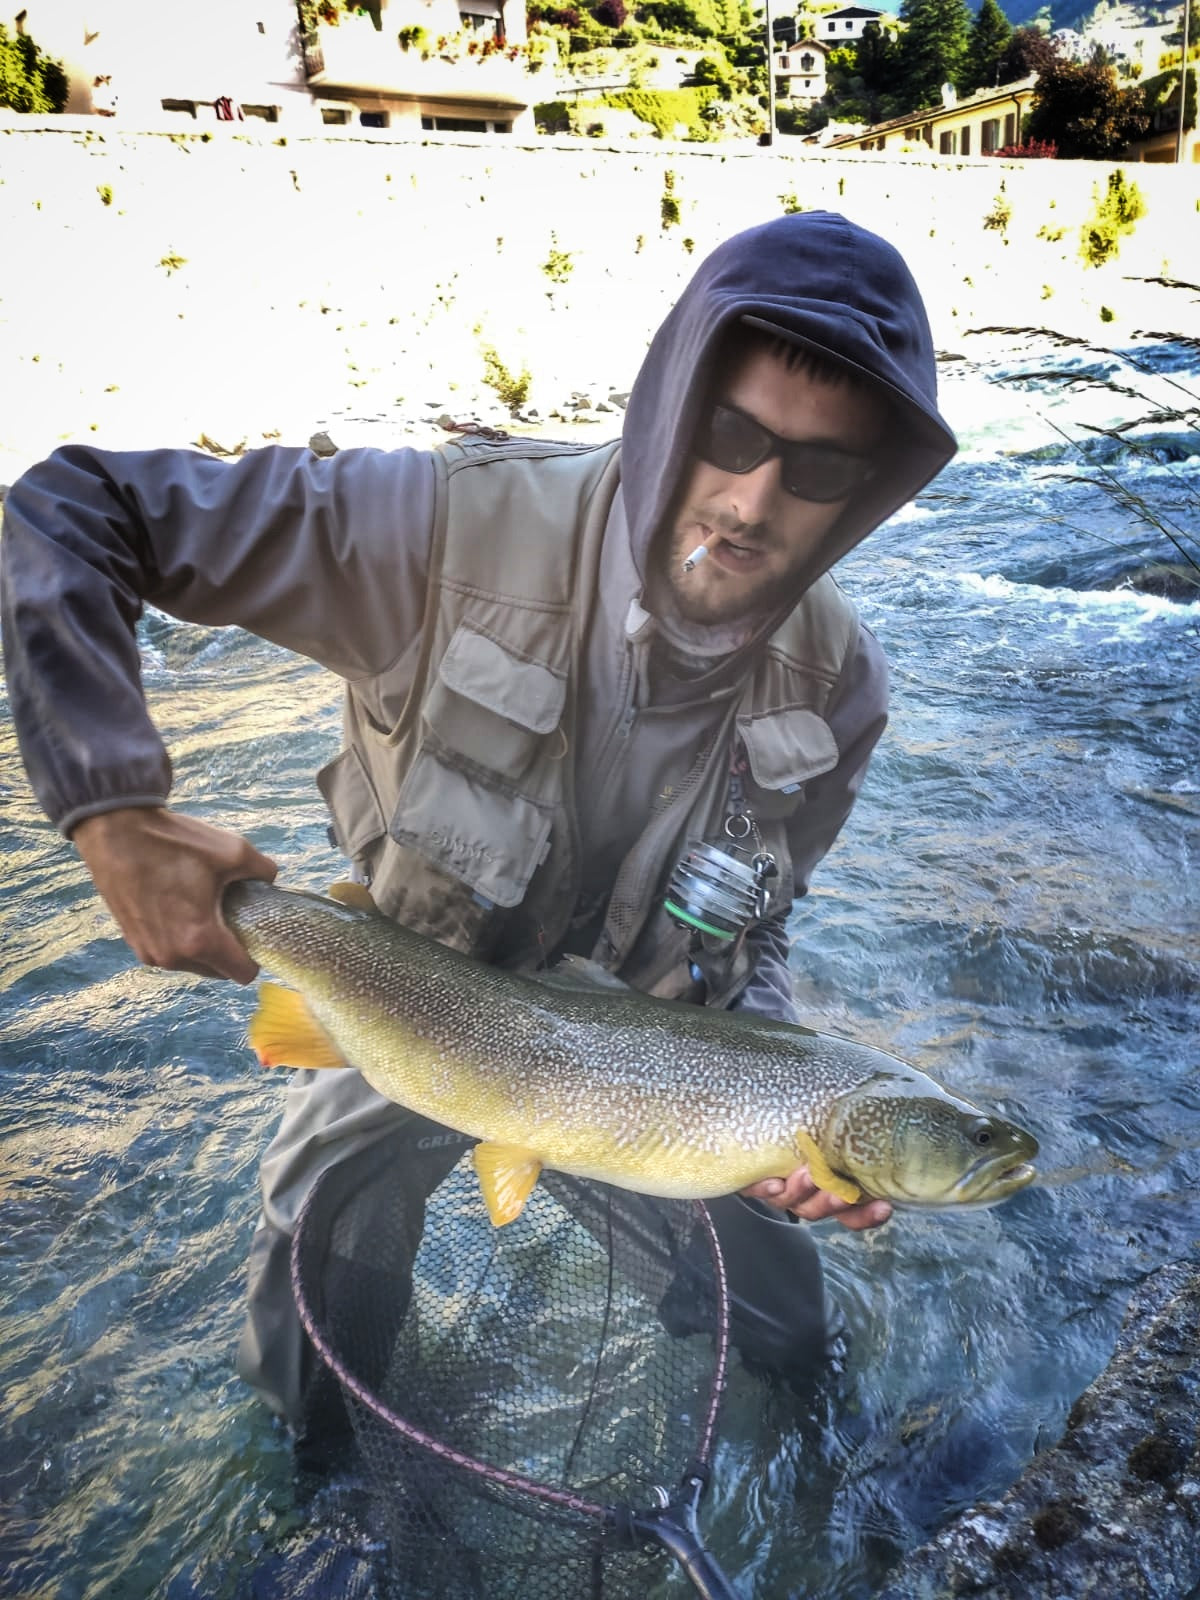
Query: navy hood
(821, 282)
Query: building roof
(970, 102)
(854, 11)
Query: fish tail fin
(507, 1176)
(284, 1033)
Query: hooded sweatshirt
(330, 557)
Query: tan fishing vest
(454, 793)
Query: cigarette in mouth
(699, 553)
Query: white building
(839, 28)
(800, 71)
(434, 64)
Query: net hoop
(561, 1499)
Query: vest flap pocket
(490, 705)
(490, 839)
(357, 818)
(524, 692)
(788, 748)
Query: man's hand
(161, 875)
(800, 1195)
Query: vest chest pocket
(462, 805)
(491, 707)
(785, 749)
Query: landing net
(532, 1411)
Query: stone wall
(248, 285)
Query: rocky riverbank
(1113, 1509)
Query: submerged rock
(1114, 1507)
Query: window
(463, 125)
(485, 27)
(482, 17)
(946, 142)
(833, 27)
(373, 119)
(964, 142)
(785, 62)
(807, 61)
(989, 138)
(264, 113)
(335, 116)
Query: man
(562, 664)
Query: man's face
(765, 536)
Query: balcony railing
(352, 56)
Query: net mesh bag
(519, 1397)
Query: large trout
(651, 1095)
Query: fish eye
(983, 1136)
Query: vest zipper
(642, 866)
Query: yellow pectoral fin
(284, 1033)
(353, 894)
(507, 1175)
(822, 1174)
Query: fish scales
(654, 1095)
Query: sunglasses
(735, 442)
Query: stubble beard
(706, 596)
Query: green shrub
(558, 265)
(1115, 214)
(999, 217)
(512, 389)
(669, 204)
(30, 81)
(664, 108)
(552, 116)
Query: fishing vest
(454, 794)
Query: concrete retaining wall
(156, 285)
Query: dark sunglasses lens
(813, 472)
(733, 442)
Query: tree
(1079, 107)
(1029, 50)
(933, 49)
(29, 80)
(611, 13)
(877, 65)
(990, 33)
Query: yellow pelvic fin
(353, 894)
(507, 1175)
(284, 1033)
(822, 1174)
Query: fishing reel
(718, 889)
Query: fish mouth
(982, 1185)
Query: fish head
(919, 1146)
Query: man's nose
(754, 493)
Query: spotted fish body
(647, 1094)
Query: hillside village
(676, 69)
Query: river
(1013, 907)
